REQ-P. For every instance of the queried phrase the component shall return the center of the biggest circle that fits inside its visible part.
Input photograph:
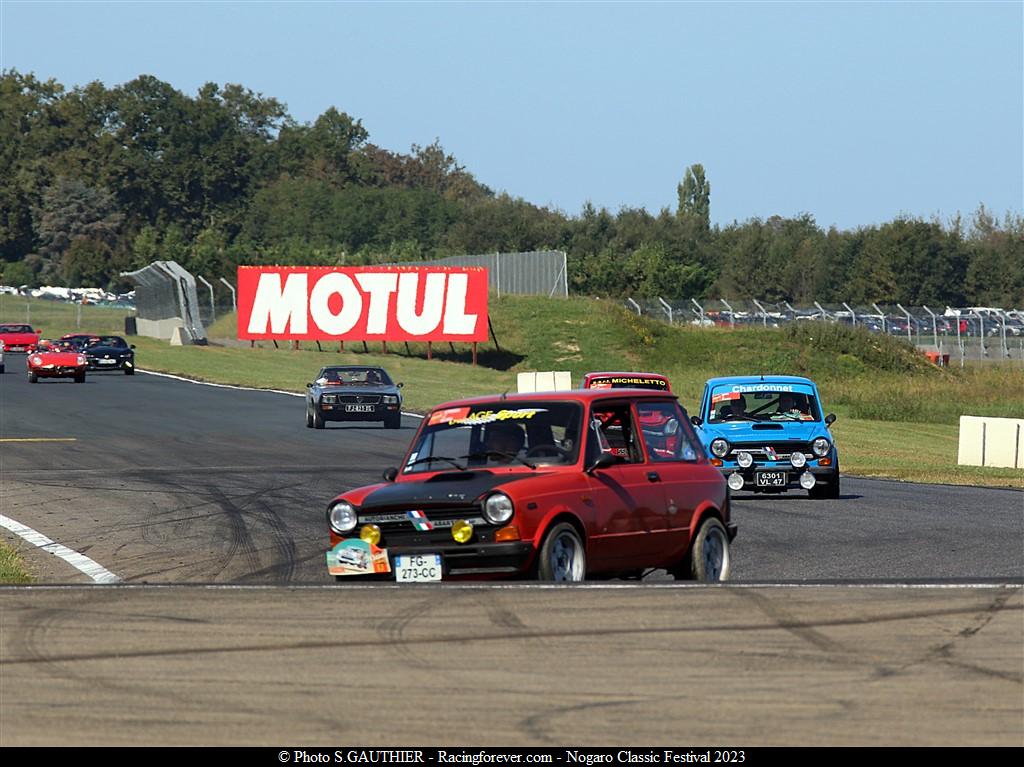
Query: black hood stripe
(440, 492)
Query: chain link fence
(535, 273)
(978, 333)
(166, 299)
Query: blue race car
(768, 434)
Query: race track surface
(173, 482)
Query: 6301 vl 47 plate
(417, 568)
(358, 408)
(770, 479)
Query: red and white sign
(362, 303)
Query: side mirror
(604, 461)
(830, 419)
(309, 386)
(132, 346)
(696, 420)
(390, 474)
(400, 384)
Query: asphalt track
(167, 482)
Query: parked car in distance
(557, 486)
(769, 434)
(353, 393)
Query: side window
(612, 432)
(664, 432)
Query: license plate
(417, 568)
(358, 408)
(108, 362)
(770, 479)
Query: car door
(628, 505)
(674, 453)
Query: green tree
(695, 197)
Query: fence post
(667, 308)
(213, 311)
(78, 316)
(910, 320)
(984, 352)
(818, 307)
(764, 314)
(700, 310)
(885, 324)
(732, 314)
(935, 328)
(1004, 349)
(635, 306)
(497, 270)
(853, 314)
(234, 306)
(28, 312)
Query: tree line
(98, 180)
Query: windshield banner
(364, 303)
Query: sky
(855, 113)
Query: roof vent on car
(455, 476)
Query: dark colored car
(558, 486)
(353, 393)
(110, 353)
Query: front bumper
(820, 473)
(464, 560)
(58, 372)
(337, 412)
(112, 364)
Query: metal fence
(165, 298)
(981, 333)
(538, 273)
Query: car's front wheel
(80, 377)
(825, 490)
(129, 371)
(562, 558)
(318, 420)
(32, 377)
(393, 421)
(708, 560)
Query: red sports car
(18, 338)
(558, 486)
(53, 360)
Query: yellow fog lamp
(370, 534)
(462, 531)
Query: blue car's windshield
(763, 402)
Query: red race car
(558, 486)
(51, 359)
(18, 338)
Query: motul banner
(362, 303)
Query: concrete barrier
(550, 380)
(991, 442)
(162, 329)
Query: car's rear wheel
(393, 421)
(562, 558)
(318, 420)
(708, 560)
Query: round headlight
(462, 531)
(744, 459)
(82, 360)
(37, 360)
(735, 481)
(498, 508)
(370, 534)
(798, 459)
(820, 447)
(719, 448)
(342, 517)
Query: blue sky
(852, 112)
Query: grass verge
(12, 567)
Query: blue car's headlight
(820, 447)
(719, 448)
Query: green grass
(12, 568)
(898, 414)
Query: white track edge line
(80, 562)
(240, 388)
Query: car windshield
(627, 382)
(496, 434)
(114, 342)
(354, 376)
(763, 402)
(15, 328)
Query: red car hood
(19, 339)
(64, 359)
